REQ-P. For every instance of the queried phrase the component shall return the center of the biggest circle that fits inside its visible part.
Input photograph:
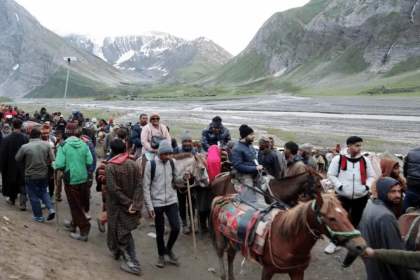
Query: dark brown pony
(410, 228)
(292, 235)
(287, 189)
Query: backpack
(153, 169)
(52, 139)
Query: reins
(319, 220)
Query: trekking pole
(191, 217)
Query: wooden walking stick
(191, 217)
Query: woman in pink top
(214, 162)
(154, 128)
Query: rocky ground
(31, 250)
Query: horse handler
(160, 197)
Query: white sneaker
(331, 248)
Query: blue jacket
(135, 136)
(92, 150)
(209, 138)
(243, 158)
(411, 170)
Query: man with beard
(215, 134)
(135, 136)
(294, 162)
(37, 158)
(124, 198)
(379, 227)
(13, 176)
(268, 158)
(160, 198)
(245, 163)
(182, 193)
(44, 116)
(391, 168)
(50, 141)
(61, 124)
(305, 152)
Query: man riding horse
(246, 165)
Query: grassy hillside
(78, 86)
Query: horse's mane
(291, 177)
(292, 221)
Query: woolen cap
(307, 148)
(71, 128)
(165, 148)
(264, 141)
(154, 114)
(186, 136)
(216, 122)
(245, 130)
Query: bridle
(332, 235)
(193, 168)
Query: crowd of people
(41, 153)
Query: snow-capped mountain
(153, 55)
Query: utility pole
(68, 59)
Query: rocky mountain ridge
(32, 56)
(153, 55)
(328, 40)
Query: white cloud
(231, 23)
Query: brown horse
(292, 235)
(287, 189)
(410, 228)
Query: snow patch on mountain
(126, 56)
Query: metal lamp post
(68, 59)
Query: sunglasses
(155, 119)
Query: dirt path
(30, 250)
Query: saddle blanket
(243, 226)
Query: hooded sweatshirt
(348, 183)
(379, 228)
(73, 157)
(387, 166)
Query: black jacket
(412, 170)
(271, 163)
(135, 136)
(209, 138)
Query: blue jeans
(38, 190)
(410, 198)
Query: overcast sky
(229, 23)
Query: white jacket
(348, 183)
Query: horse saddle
(248, 225)
(243, 224)
(412, 239)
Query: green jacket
(73, 158)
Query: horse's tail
(211, 227)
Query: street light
(68, 59)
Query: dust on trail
(31, 250)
